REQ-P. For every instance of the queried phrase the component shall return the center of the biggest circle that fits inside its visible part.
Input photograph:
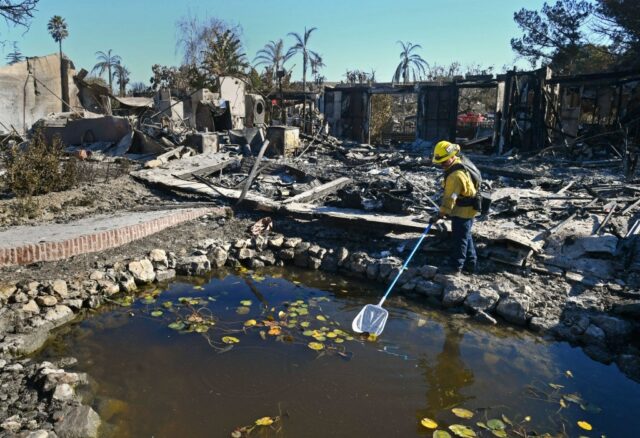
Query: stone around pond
(78, 422)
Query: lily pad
(315, 346)
(495, 424)
(230, 340)
(156, 313)
(321, 318)
(245, 302)
(499, 433)
(428, 423)
(303, 312)
(178, 325)
(308, 333)
(275, 330)
(250, 323)
(167, 304)
(441, 434)
(462, 413)
(242, 310)
(200, 328)
(462, 431)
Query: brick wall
(98, 241)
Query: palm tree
(106, 62)
(224, 55)
(273, 57)
(122, 74)
(411, 64)
(317, 63)
(302, 46)
(58, 30)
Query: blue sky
(352, 34)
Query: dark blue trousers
(463, 250)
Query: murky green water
(152, 380)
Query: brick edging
(95, 242)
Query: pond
(208, 359)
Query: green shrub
(37, 168)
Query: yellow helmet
(444, 150)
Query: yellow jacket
(457, 184)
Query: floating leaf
(275, 331)
(250, 323)
(428, 423)
(303, 312)
(282, 315)
(372, 337)
(264, 421)
(584, 425)
(315, 346)
(527, 418)
(148, 299)
(441, 434)
(242, 310)
(338, 340)
(495, 424)
(462, 413)
(462, 431)
(156, 313)
(332, 335)
(482, 425)
(319, 338)
(563, 404)
(201, 328)
(167, 304)
(506, 420)
(556, 386)
(245, 303)
(198, 287)
(308, 333)
(321, 318)
(568, 373)
(178, 325)
(499, 433)
(230, 340)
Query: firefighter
(458, 204)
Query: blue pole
(395, 280)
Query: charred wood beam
(606, 220)
(516, 174)
(252, 175)
(320, 191)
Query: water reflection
(446, 374)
